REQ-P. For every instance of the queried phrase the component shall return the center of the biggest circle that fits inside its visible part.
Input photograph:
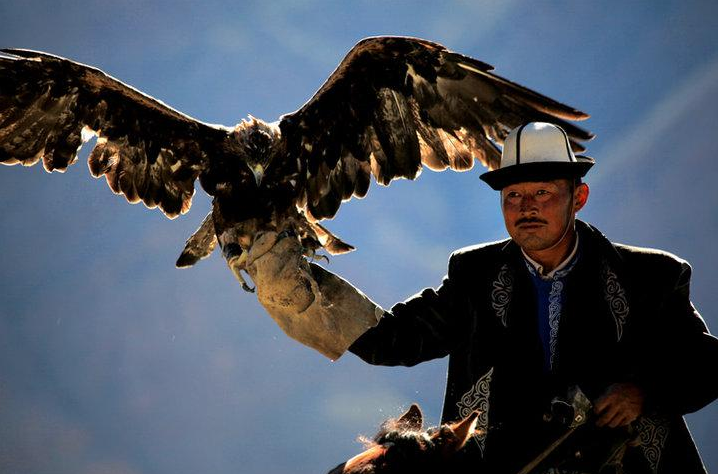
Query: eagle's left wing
(146, 150)
(395, 104)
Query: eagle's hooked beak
(258, 172)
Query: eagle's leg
(236, 264)
(236, 260)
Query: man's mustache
(530, 220)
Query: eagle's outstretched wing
(395, 104)
(146, 150)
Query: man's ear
(580, 196)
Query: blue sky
(114, 362)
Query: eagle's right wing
(396, 104)
(147, 151)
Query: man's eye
(542, 192)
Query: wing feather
(395, 104)
(147, 151)
(396, 136)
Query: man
(558, 306)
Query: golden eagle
(393, 105)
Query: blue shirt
(549, 302)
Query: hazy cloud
(634, 143)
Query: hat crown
(537, 151)
(536, 142)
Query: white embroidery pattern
(477, 398)
(501, 294)
(554, 317)
(615, 296)
(555, 305)
(653, 434)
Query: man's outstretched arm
(422, 328)
(325, 312)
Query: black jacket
(627, 317)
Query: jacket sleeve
(424, 327)
(683, 356)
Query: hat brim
(537, 171)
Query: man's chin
(534, 248)
(532, 242)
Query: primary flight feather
(393, 105)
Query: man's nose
(528, 203)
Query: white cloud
(658, 122)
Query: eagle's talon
(313, 256)
(236, 264)
(320, 256)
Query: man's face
(536, 213)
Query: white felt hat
(537, 151)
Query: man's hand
(619, 405)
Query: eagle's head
(257, 140)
